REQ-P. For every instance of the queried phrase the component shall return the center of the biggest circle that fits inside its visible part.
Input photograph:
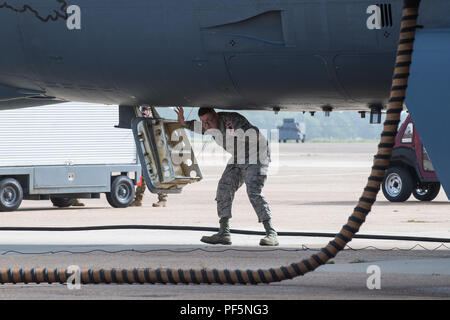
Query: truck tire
(62, 202)
(427, 192)
(397, 185)
(11, 194)
(122, 192)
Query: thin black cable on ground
(265, 250)
(234, 231)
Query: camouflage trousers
(140, 193)
(235, 175)
(140, 190)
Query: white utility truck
(64, 152)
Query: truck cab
(291, 130)
(410, 170)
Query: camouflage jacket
(244, 141)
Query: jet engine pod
(167, 159)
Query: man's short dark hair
(205, 110)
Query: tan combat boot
(271, 238)
(162, 200)
(222, 237)
(77, 203)
(139, 195)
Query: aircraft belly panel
(428, 97)
(230, 54)
(15, 70)
(71, 63)
(365, 78)
(257, 33)
(282, 79)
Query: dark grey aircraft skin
(232, 54)
(302, 55)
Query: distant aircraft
(231, 54)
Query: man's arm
(192, 125)
(238, 121)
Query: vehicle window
(408, 134)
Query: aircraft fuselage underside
(234, 54)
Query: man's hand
(230, 128)
(180, 113)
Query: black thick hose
(347, 233)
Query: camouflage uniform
(162, 197)
(249, 164)
(162, 200)
(232, 179)
(140, 190)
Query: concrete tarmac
(313, 187)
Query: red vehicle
(410, 169)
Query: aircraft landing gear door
(167, 159)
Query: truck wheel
(11, 194)
(397, 185)
(427, 192)
(62, 202)
(122, 192)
